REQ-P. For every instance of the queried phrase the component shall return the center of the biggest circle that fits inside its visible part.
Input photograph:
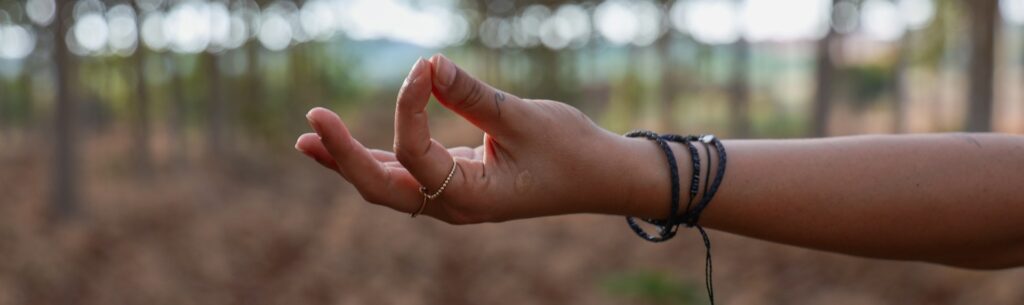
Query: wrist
(647, 183)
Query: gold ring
(427, 196)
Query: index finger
(426, 159)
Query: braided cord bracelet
(690, 217)
(667, 230)
(694, 161)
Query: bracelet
(694, 161)
(690, 217)
(667, 228)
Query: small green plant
(649, 287)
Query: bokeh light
(193, 26)
(1013, 11)
(785, 20)
(713, 22)
(186, 27)
(495, 32)
(153, 31)
(41, 12)
(123, 32)
(219, 21)
(91, 32)
(882, 20)
(317, 19)
(526, 33)
(428, 25)
(16, 41)
(275, 31)
(917, 13)
(238, 31)
(845, 17)
(615, 21)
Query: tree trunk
(739, 91)
(141, 131)
(550, 84)
(65, 171)
(5, 95)
(984, 16)
(24, 112)
(899, 85)
(669, 84)
(177, 109)
(215, 104)
(823, 91)
(254, 82)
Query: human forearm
(945, 198)
(952, 198)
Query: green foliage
(649, 287)
(780, 125)
(625, 102)
(866, 84)
(16, 105)
(935, 38)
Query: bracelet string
(690, 217)
(668, 228)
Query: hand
(538, 158)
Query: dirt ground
(275, 229)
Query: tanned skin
(954, 199)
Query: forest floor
(275, 229)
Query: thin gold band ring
(428, 196)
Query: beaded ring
(430, 196)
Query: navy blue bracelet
(694, 180)
(693, 216)
(690, 217)
(667, 228)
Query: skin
(952, 199)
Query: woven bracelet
(667, 227)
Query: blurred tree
(303, 91)
(254, 100)
(899, 83)
(215, 105)
(549, 81)
(670, 82)
(936, 47)
(65, 148)
(177, 108)
(670, 76)
(825, 71)
(141, 129)
(984, 16)
(739, 90)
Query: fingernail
(312, 123)
(316, 127)
(309, 114)
(445, 71)
(415, 73)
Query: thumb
(495, 112)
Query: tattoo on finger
(498, 97)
